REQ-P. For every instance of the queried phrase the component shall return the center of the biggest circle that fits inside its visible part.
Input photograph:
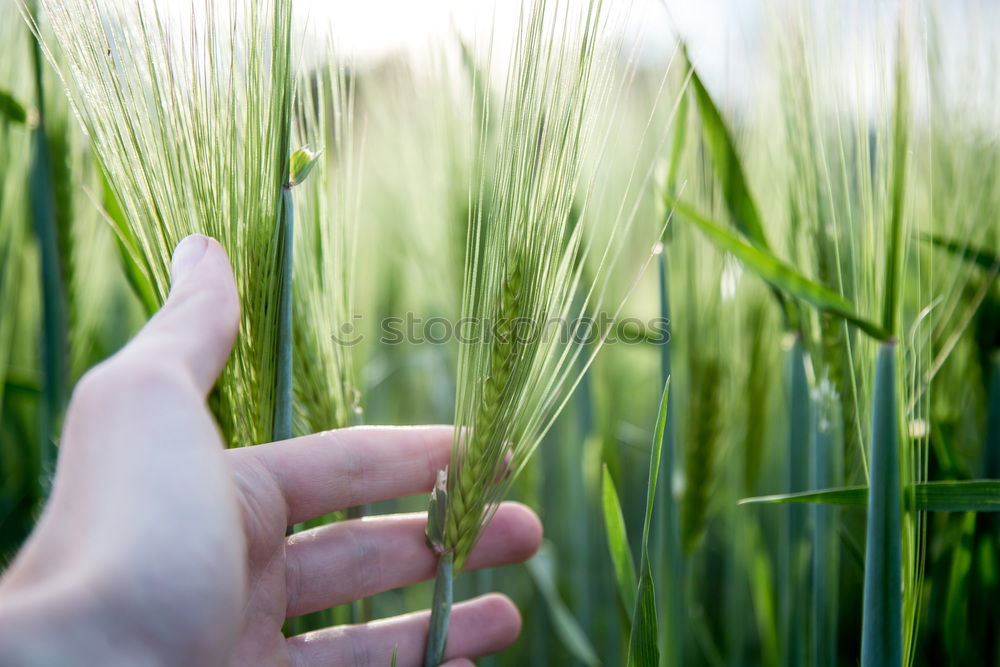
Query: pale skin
(159, 547)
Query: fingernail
(187, 254)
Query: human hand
(159, 547)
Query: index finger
(325, 472)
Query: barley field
(712, 290)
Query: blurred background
(808, 92)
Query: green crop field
(735, 337)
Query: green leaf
(301, 164)
(621, 555)
(728, 169)
(979, 495)
(22, 385)
(395, 655)
(125, 242)
(955, 625)
(11, 110)
(677, 142)
(851, 496)
(780, 275)
(574, 639)
(978, 256)
(643, 650)
(730, 176)
(654, 464)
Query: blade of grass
(780, 275)
(762, 583)
(125, 243)
(643, 649)
(571, 635)
(946, 496)
(956, 601)
(726, 162)
(621, 555)
(982, 258)
(55, 364)
(729, 174)
(655, 455)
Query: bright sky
(727, 39)
(374, 28)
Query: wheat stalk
(188, 111)
(532, 234)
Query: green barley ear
(528, 247)
(703, 443)
(189, 121)
(527, 251)
(531, 238)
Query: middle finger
(349, 560)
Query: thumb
(195, 330)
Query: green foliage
(522, 177)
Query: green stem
(792, 564)
(437, 633)
(827, 466)
(281, 428)
(882, 621)
(54, 318)
(667, 536)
